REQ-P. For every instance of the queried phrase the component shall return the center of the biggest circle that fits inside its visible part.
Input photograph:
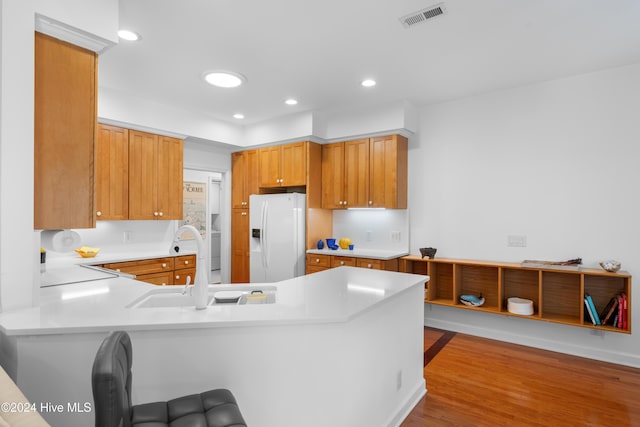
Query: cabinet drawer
(318, 260)
(339, 261)
(375, 264)
(185, 261)
(161, 279)
(314, 269)
(146, 266)
(180, 276)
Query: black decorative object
(428, 252)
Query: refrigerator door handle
(263, 234)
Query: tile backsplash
(373, 228)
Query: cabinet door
(238, 178)
(293, 164)
(269, 167)
(169, 174)
(161, 279)
(388, 172)
(64, 135)
(356, 166)
(142, 175)
(180, 276)
(333, 176)
(244, 177)
(112, 173)
(239, 246)
(252, 174)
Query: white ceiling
(318, 51)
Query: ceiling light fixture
(238, 116)
(368, 83)
(129, 35)
(291, 101)
(224, 78)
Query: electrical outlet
(517, 241)
(399, 380)
(127, 236)
(368, 235)
(395, 236)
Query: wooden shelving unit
(557, 294)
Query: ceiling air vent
(423, 15)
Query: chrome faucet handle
(186, 286)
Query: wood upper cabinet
(155, 176)
(365, 173)
(356, 173)
(240, 246)
(388, 157)
(283, 165)
(333, 195)
(112, 173)
(244, 177)
(345, 174)
(65, 88)
(169, 178)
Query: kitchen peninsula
(341, 347)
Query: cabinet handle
(99, 213)
(341, 262)
(177, 277)
(161, 213)
(186, 262)
(118, 270)
(164, 284)
(244, 214)
(345, 203)
(317, 259)
(155, 214)
(370, 202)
(369, 266)
(164, 265)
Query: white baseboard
(418, 393)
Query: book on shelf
(625, 311)
(609, 311)
(587, 309)
(592, 310)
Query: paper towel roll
(60, 240)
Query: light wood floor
(479, 382)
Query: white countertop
(361, 253)
(334, 295)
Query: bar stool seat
(111, 383)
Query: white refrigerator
(276, 236)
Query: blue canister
(320, 244)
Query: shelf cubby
(557, 293)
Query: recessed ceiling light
(291, 101)
(224, 78)
(129, 35)
(368, 83)
(238, 116)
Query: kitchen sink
(173, 296)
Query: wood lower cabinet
(112, 173)
(159, 271)
(319, 262)
(557, 295)
(184, 269)
(155, 176)
(240, 246)
(65, 115)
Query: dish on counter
(87, 252)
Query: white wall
(19, 258)
(556, 162)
